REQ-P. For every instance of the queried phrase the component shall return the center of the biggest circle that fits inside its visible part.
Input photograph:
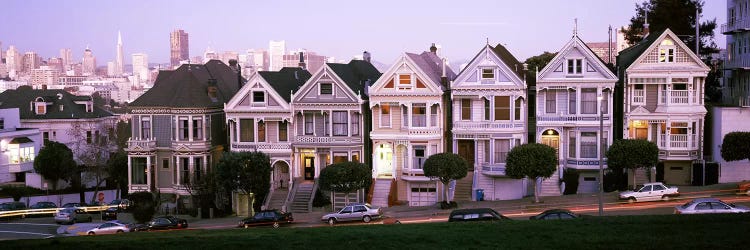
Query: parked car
(123, 204)
(653, 191)
(267, 217)
(110, 228)
(163, 223)
(709, 206)
(475, 214)
(555, 214)
(744, 187)
(13, 205)
(353, 212)
(110, 213)
(73, 204)
(43, 204)
(72, 215)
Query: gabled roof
(356, 74)
(23, 96)
(587, 50)
(630, 54)
(286, 81)
(509, 59)
(187, 87)
(432, 66)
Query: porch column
(130, 172)
(178, 169)
(148, 170)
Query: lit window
(404, 79)
(261, 131)
(385, 115)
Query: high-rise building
(56, 64)
(140, 67)
(31, 61)
(276, 52)
(67, 58)
(14, 61)
(120, 60)
(312, 61)
(89, 62)
(111, 68)
(179, 47)
(44, 75)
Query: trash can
(480, 194)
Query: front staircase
(550, 186)
(302, 198)
(380, 192)
(463, 188)
(278, 198)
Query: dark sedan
(110, 214)
(163, 223)
(555, 214)
(476, 214)
(267, 218)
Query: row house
(573, 97)
(19, 146)
(178, 127)
(489, 118)
(662, 86)
(408, 125)
(59, 116)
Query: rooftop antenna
(488, 40)
(575, 26)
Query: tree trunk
(536, 189)
(634, 173)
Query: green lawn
(625, 232)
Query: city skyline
(354, 29)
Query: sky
(341, 28)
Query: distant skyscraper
(208, 55)
(14, 61)
(120, 60)
(111, 69)
(312, 61)
(140, 67)
(228, 55)
(89, 62)
(55, 64)
(67, 58)
(31, 61)
(44, 75)
(179, 47)
(276, 52)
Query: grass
(618, 232)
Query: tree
(538, 62)
(445, 167)
(677, 15)
(531, 161)
(55, 162)
(632, 154)
(143, 206)
(249, 172)
(117, 170)
(736, 146)
(92, 150)
(345, 177)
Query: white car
(653, 191)
(353, 212)
(709, 206)
(109, 228)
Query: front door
(466, 150)
(309, 163)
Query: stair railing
(290, 195)
(312, 196)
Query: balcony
(262, 146)
(493, 170)
(678, 142)
(735, 26)
(327, 139)
(201, 145)
(678, 96)
(481, 125)
(583, 163)
(20, 167)
(737, 62)
(424, 131)
(639, 96)
(569, 118)
(141, 145)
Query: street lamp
(601, 153)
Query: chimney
(366, 56)
(645, 26)
(233, 63)
(301, 60)
(44, 86)
(212, 89)
(433, 49)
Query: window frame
(499, 114)
(262, 96)
(145, 127)
(320, 88)
(337, 122)
(485, 75)
(465, 109)
(415, 115)
(283, 130)
(385, 110)
(550, 104)
(574, 66)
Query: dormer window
(404, 79)
(41, 108)
(488, 74)
(666, 51)
(575, 66)
(259, 97)
(326, 89)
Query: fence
(58, 199)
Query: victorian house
(408, 125)
(178, 127)
(662, 84)
(489, 118)
(59, 116)
(329, 122)
(573, 96)
(259, 118)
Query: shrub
(143, 206)
(570, 177)
(321, 199)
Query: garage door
(677, 172)
(587, 183)
(422, 194)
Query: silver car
(72, 215)
(109, 228)
(709, 206)
(353, 212)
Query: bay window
(419, 115)
(340, 122)
(502, 108)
